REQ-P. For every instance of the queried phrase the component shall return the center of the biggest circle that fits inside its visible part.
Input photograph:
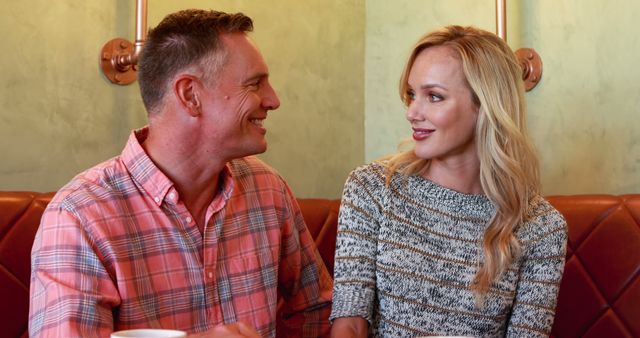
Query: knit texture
(407, 254)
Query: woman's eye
(435, 97)
(411, 95)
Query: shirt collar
(155, 183)
(227, 184)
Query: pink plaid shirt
(117, 249)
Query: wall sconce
(119, 57)
(529, 60)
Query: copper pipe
(141, 29)
(501, 19)
(131, 59)
(528, 58)
(119, 58)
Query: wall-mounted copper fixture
(119, 57)
(529, 60)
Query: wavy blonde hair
(508, 163)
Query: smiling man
(185, 229)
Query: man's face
(235, 106)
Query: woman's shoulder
(543, 220)
(540, 209)
(367, 181)
(373, 173)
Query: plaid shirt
(117, 249)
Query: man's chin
(262, 148)
(255, 150)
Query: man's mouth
(258, 121)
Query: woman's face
(441, 111)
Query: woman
(452, 237)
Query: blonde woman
(452, 237)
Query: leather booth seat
(599, 294)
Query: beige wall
(583, 114)
(59, 115)
(339, 103)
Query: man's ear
(185, 88)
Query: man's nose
(270, 100)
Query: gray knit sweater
(407, 253)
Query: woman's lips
(421, 134)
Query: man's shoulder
(250, 173)
(99, 182)
(251, 165)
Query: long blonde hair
(508, 163)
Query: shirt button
(157, 199)
(188, 219)
(172, 195)
(210, 274)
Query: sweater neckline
(427, 189)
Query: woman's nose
(412, 113)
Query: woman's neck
(462, 177)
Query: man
(184, 230)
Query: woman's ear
(185, 88)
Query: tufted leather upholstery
(600, 290)
(599, 295)
(19, 219)
(321, 216)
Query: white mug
(149, 333)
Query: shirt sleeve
(540, 276)
(356, 247)
(71, 292)
(305, 283)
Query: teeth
(257, 122)
(424, 131)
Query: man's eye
(253, 85)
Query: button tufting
(600, 271)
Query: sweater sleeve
(540, 276)
(356, 245)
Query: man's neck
(195, 176)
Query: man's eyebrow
(256, 77)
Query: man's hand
(235, 330)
